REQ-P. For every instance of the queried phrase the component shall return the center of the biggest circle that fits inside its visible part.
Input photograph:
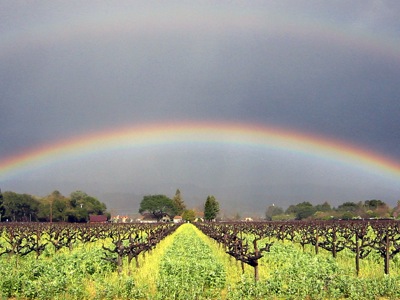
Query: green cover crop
(189, 269)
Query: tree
(273, 210)
(20, 207)
(211, 208)
(305, 210)
(350, 210)
(77, 198)
(323, 211)
(179, 203)
(325, 207)
(302, 210)
(348, 206)
(377, 208)
(189, 215)
(82, 205)
(54, 207)
(158, 205)
(374, 204)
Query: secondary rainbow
(206, 18)
(239, 134)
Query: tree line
(160, 206)
(368, 209)
(77, 207)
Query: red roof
(97, 218)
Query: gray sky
(71, 68)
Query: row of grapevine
(359, 236)
(119, 240)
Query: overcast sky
(332, 68)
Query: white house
(178, 219)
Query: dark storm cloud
(56, 87)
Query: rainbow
(199, 19)
(237, 134)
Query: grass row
(189, 268)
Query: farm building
(121, 219)
(147, 218)
(178, 219)
(97, 219)
(150, 218)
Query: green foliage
(211, 208)
(119, 287)
(306, 275)
(189, 267)
(301, 210)
(82, 205)
(19, 207)
(179, 203)
(158, 205)
(374, 204)
(348, 206)
(54, 277)
(189, 215)
(54, 207)
(324, 207)
(189, 270)
(272, 211)
(294, 274)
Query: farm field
(187, 264)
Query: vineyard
(266, 260)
